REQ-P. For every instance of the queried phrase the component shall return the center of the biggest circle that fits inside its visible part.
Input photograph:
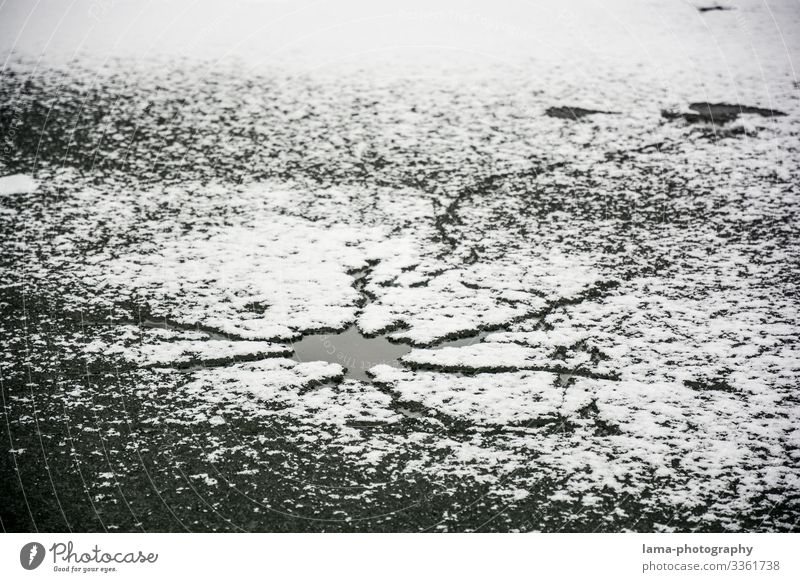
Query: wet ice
(356, 352)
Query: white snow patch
(492, 356)
(303, 391)
(517, 397)
(17, 184)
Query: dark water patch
(716, 8)
(358, 352)
(350, 348)
(719, 113)
(574, 113)
(713, 111)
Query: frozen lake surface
(562, 271)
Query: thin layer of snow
(510, 398)
(463, 299)
(183, 352)
(258, 282)
(299, 390)
(493, 356)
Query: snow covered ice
(549, 289)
